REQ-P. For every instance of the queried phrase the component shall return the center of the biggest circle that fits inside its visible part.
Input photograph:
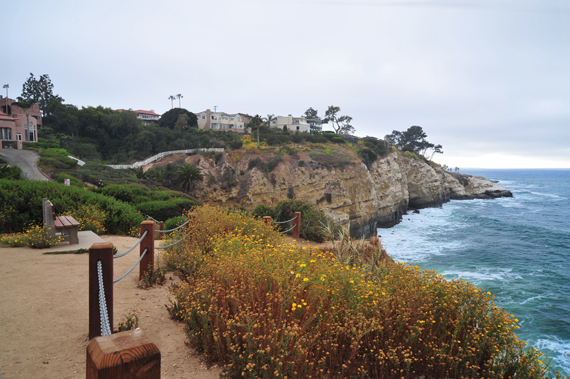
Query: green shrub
(264, 210)
(73, 181)
(161, 195)
(14, 240)
(368, 157)
(10, 172)
(174, 222)
(123, 192)
(312, 220)
(165, 209)
(21, 205)
(38, 238)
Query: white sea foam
(557, 349)
(549, 195)
(484, 274)
(531, 299)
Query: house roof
(147, 112)
(4, 116)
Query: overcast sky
(487, 79)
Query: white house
(298, 124)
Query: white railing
(160, 156)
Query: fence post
(147, 263)
(102, 251)
(267, 219)
(160, 227)
(297, 228)
(125, 355)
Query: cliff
(337, 182)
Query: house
(18, 124)
(298, 124)
(147, 117)
(222, 121)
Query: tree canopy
(340, 124)
(40, 91)
(414, 139)
(313, 119)
(169, 119)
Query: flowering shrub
(14, 240)
(266, 308)
(90, 217)
(38, 238)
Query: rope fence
(296, 228)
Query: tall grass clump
(265, 308)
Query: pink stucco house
(17, 124)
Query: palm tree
(187, 176)
(179, 96)
(171, 98)
(268, 119)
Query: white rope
(132, 248)
(105, 328)
(284, 222)
(288, 230)
(172, 230)
(180, 240)
(132, 268)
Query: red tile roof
(4, 116)
(147, 112)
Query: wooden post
(160, 227)
(124, 355)
(297, 223)
(268, 220)
(102, 251)
(147, 263)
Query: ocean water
(517, 248)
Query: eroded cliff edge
(338, 183)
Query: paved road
(26, 160)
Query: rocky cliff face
(344, 189)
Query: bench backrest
(49, 216)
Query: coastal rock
(345, 190)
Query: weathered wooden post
(160, 227)
(102, 251)
(297, 223)
(124, 355)
(267, 219)
(147, 263)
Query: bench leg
(73, 237)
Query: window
(6, 134)
(225, 118)
(18, 136)
(239, 118)
(203, 116)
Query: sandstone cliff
(338, 183)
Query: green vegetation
(21, 205)
(414, 141)
(266, 308)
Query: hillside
(334, 179)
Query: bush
(368, 157)
(90, 217)
(38, 238)
(14, 240)
(264, 210)
(265, 308)
(10, 173)
(21, 205)
(312, 220)
(123, 192)
(165, 209)
(73, 181)
(174, 222)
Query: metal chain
(132, 248)
(180, 240)
(288, 230)
(105, 328)
(172, 230)
(284, 222)
(132, 268)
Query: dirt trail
(44, 315)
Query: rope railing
(172, 230)
(296, 228)
(103, 314)
(132, 268)
(288, 230)
(132, 248)
(284, 222)
(180, 240)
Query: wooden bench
(62, 226)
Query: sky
(489, 80)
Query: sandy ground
(44, 315)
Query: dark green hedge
(165, 209)
(21, 205)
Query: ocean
(517, 248)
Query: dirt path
(44, 315)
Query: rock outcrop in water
(339, 184)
